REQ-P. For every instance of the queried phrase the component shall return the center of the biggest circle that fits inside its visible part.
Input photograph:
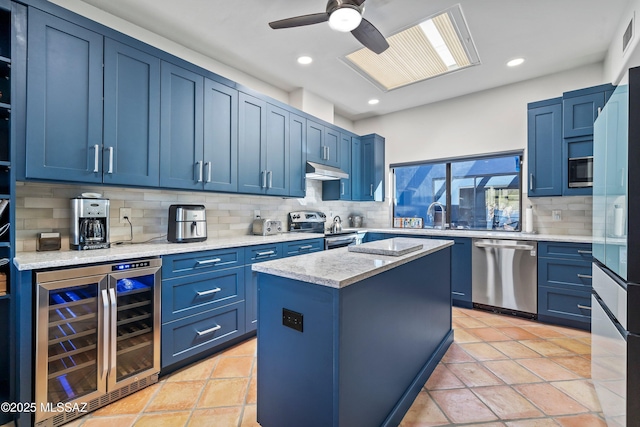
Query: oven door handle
(105, 333)
(340, 239)
(112, 320)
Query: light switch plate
(556, 215)
(125, 212)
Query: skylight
(437, 45)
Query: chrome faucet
(433, 205)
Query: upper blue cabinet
(64, 93)
(372, 172)
(297, 155)
(544, 148)
(323, 144)
(581, 108)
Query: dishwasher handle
(482, 244)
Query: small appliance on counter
(266, 227)
(89, 222)
(187, 223)
(355, 221)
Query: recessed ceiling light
(515, 62)
(374, 101)
(305, 60)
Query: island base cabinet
(364, 351)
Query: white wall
(618, 62)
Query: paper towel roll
(528, 220)
(618, 221)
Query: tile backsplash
(45, 208)
(575, 214)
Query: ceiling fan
(343, 15)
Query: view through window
(481, 193)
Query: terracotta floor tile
(572, 344)
(469, 322)
(252, 393)
(474, 374)
(462, 406)
(197, 371)
(120, 421)
(245, 348)
(462, 336)
(547, 369)
(485, 425)
(132, 404)
(480, 314)
(483, 351)
(499, 321)
(455, 354)
(458, 312)
(545, 331)
(549, 399)
(510, 372)
(224, 392)
(546, 348)
(442, 378)
(518, 333)
(586, 340)
(218, 417)
(231, 367)
(577, 364)
(163, 419)
(176, 396)
(250, 416)
(506, 403)
(423, 413)
(539, 422)
(515, 350)
(571, 332)
(582, 391)
(488, 334)
(586, 420)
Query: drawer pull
(305, 247)
(584, 307)
(209, 292)
(208, 261)
(265, 253)
(583, 252)
(208, 331)
(584, 276)
(457, 293)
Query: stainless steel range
(314, 222)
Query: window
(481, 193)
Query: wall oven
(580, 172)
(97, 336)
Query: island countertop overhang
(338, 268)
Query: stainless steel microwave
(581, 172)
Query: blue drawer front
(263, 252)
(200, 262)
(580, 251)
(303, 247)
(189, 295)
(564, 303)
(194, 334)
(564, 273)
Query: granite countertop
(338, 268)
(39, 260)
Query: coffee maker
(89, 223)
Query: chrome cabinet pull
(599, 110)
(328, 152)
(199, 166)
(530, 182)
(264, 179)
(208, 261)
(265, 253)
(342, 190)
(208, 331)
(209, 168)
(457, 293)
(96, 157)
(110, 160)
(209, 292)
(584, 307)
(584, 276)
(371, 191)
(304, 248)
(583, 252)
(270, 175)
(105, 331)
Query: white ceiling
(553, 35)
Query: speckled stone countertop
(338, 268)
(40, 260)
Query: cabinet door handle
(342, 188)
(371, 191)
(208, 331)
(583, 252)
(208, 261)
(599, 110)
(530, 182)
(209, 167)
(96, 157)
(110, 170)
(209, 292)
(584, 307)
(265, 253)
(199, 167)
(457, 293)
(328, 152)
(584, 276)
(263, 178)
(304, 248)
(270, 175)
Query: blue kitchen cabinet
(254, 254)
(356, 169)
(340, 189)
(372, 172)
(323, 144)
(220, 155)
(332, 140)
(277, 156)
(581, 108)
(301, 247)
(460, 271)
(297, 155)
(181, 131)
(131, 116)
(64, 108)
(544, 148)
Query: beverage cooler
(97, 336)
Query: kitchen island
(349, 338)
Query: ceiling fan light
(345, 19)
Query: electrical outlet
(125, 212)
(556, 215)
(256, 213)
(292, 319)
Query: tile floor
(500, 371)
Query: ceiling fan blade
(370, 37)
(357, 2)
(299, 21)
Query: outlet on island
(292, 319)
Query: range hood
(324, 172)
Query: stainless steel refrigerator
(615, 321)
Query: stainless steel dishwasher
(505, 276)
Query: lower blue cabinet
(568, 304)
(461, 271)
(255, 254)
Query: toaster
(187, 223)
(266, 227)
